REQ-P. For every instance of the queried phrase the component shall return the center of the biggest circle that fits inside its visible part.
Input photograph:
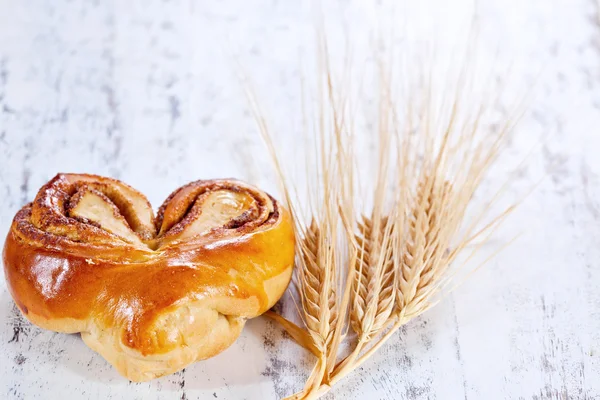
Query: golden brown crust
(150, 294)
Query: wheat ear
(398, 257)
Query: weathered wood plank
(147, 92)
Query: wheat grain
(373, 286)
(424, 256)
(391, 264)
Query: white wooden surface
(145, 91)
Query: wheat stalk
(373, 274)
(320, 266)
(373, 290)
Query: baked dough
(150, 294)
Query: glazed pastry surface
(150, 294)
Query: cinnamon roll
(150, 294)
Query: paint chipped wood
(147, 92)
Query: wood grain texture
(146, 91)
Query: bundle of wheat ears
(375, 253)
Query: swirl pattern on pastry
(150, 294)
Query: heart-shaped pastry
(151, 295)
